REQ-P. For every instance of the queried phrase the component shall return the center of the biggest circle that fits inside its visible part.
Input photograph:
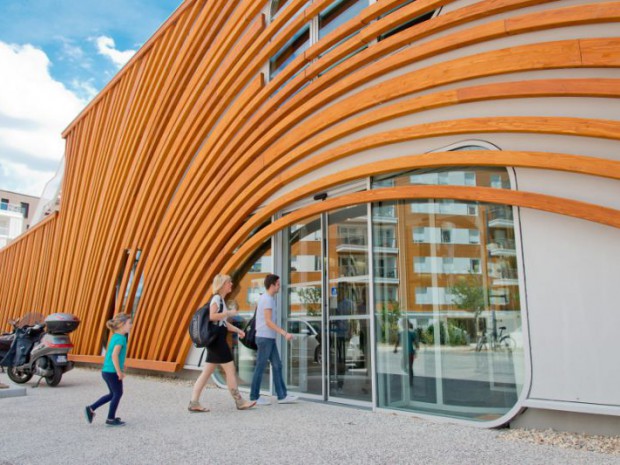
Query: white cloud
(34, 110)
(84, 89)
(106, 47)
(18, 177)
(71, 51)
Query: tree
(311, 300)
(468, 294)
(390, 313)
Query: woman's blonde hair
(219, 281)
(119, 320)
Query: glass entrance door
(327, 295)
(303, 295)
(348, 320)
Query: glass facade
(428, 289)
(447, 309)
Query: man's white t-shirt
(262, 330)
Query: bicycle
(500, 341)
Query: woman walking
(219, 352)
(113, 371)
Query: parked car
(307, 343)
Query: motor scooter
(38, 346)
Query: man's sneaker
(115, 422)
(263, 401)
(288, 400)
(89, 413)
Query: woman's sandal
(195, 407)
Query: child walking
(113, 370)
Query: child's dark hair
(270, 280)
(119, 320)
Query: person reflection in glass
(412, 345)
(341, 331)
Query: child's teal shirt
(117, 340)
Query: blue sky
(55, 56)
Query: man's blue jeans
(267, 352)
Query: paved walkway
(48, 426)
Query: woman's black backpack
(250, 334)
(201, 331)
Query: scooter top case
(61, 323)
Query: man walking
(266, 331)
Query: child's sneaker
(115, 422)
(90, 414)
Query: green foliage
(311, 300)
(469, 295)
(430, 334)
(390, 313)
(457, 336)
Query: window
(419, 235)
(276, 6)
(474, 236)
(446, 236)
(4, 204)
(257, 267)
(453, 295)
(338, 13)
(25, 209)
(292, 49)
(408, 24)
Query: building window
(454, 296)
(474, 236)
(328, 20)
(291, 50)
(446, 236)
(4, 204)
(25, 209)
(276, 6)
(338, 13)
(408, 24)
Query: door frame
(281, 254)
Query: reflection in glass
(408, 24)
(338, 13)
(291, 50)
(303, 289)
(348, 319)
(447, 304)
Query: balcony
(501, 218)
(9, 207)
(504, 248)
(505, 277)
(385, 246)
(384, 215)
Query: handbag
(250, 333)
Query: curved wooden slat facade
(191, 146)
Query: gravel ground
(604, 444)
(48, 426)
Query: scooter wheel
(55, 378)
(18, 376)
